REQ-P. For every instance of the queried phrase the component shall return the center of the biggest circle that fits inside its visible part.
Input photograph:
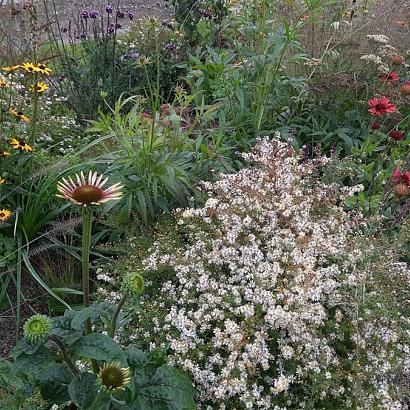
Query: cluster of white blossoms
(263, 271)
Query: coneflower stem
(87, 226)
(86, 244)
(115, 315)
(66, 357)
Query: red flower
(398, 177)
(375, 126)
(380, 106)
(391, 78)
(396, 135)
(405, 177)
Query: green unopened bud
(133, 284)
(37, 329)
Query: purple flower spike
(85, 15)
(171, 47)
(118, 25)
(93, 14)
(110, 30)
(131, 15)
(120, 14)
(108, 8)
(64, 29)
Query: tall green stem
(87, 225)
(115, 316)
(35, 111)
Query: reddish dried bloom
(396, 135)
(397, 60)
(398, 177)
(405, 89)
(405, 177)
(391, 78)
(401, 189)
(380, 106)
(375, 126)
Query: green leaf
(63, 329)
(83, 390)
(101, 347)
(54, 381)
(33, 363)
(169, 389)
(93, 312)
(23, 346)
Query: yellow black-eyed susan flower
(112, 377)
(9, 69)
(5, 214)
(39, 87)
(2, 181)
(20, 115)
(21, 145)
(4, 154)
(30, 67)
(3, 83)
(41, 68)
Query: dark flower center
(86, 194)
(380, 106)
(22, 144)
(41, 67)
(2, 214)
(112, 377)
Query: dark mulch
(35, 303)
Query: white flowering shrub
(258, 302)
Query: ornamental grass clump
(256, 308)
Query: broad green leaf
(54, 381)
(169, 389)
(101, 347)
(83, 390)
(63, 329)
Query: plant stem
(32, 138)
(87, 225)
(116, 314)
(66, 357)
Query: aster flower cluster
(263, 272)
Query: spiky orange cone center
(87, 194)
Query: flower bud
(37, 329)
(133, 284)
